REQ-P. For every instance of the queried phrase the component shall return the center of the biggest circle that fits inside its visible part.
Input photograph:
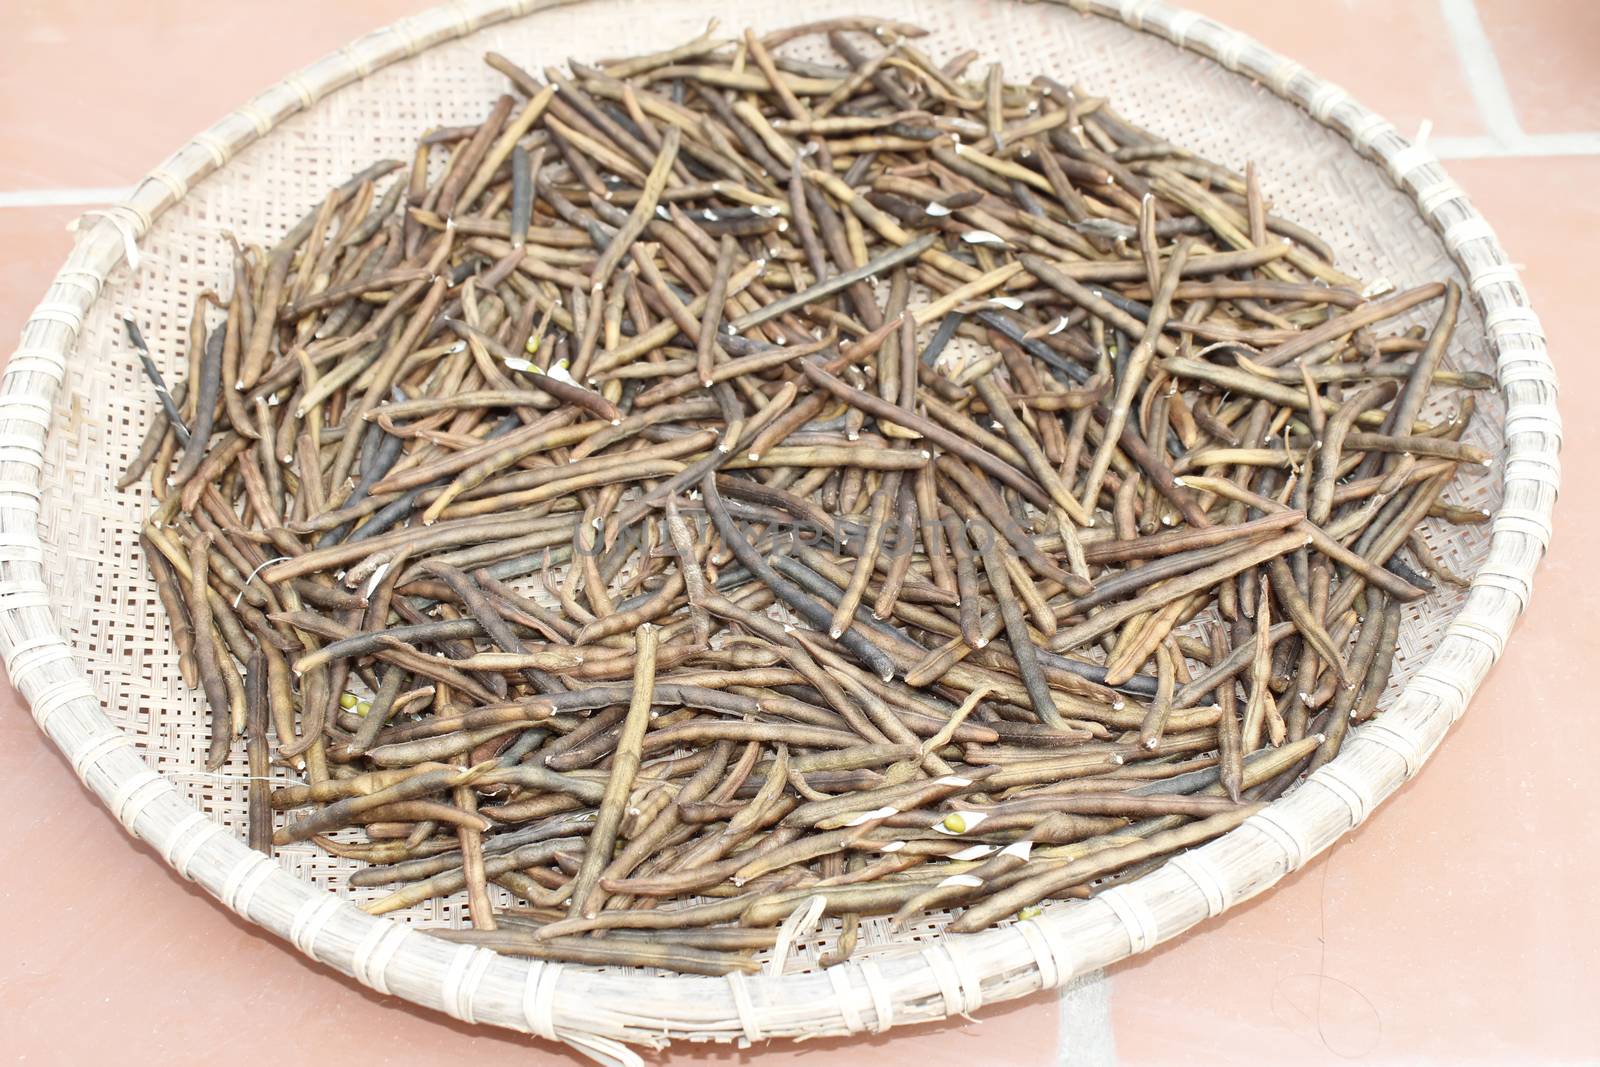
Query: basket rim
(594, 1011)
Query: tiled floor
(1547, 51)
(1449, 930)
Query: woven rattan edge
(592, 1010)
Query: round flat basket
(85, 641)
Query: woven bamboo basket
(84, 640)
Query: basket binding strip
(596, 1011)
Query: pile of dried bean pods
(720, 482)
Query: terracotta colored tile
(36, 243)
(1449, 928)
(128, 83)
(1394, 57)
(1547, 51)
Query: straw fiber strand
(83, 637)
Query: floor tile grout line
(1485, 79)
(1085, 1036)
(64, 197)
(1529, 146)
